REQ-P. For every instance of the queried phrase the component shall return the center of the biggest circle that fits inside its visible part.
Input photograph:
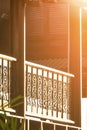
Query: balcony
(48, 93)
(5, 81)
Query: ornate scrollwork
(55, 95)
(50, 94)
(45, 93)
(5, 83)
(34, 91)
(68, 98)
(29, 89)
(65, 99)
(60, 94)
(39, 91)
(1, 83)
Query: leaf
(15, 105)
(12, 123)
(22, 126)
(15, 101)
(2, 124)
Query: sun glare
(85, 8)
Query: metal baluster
(55, 95)
(60, 96)
(54, 127)
(44, 93)
(39, 91)
(9, 80)
(28, 92)
(5, 82)
(34, 91)
(42, 126)
(66, 127)
(65, 97)
(49, 93)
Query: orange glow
(81, 3)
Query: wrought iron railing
(48, 93)
(5, 79)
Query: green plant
(40, 128)
(10, 122)
(13, 103)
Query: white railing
(27, 122)
(5, 79)
(48, 93)
(55, 126)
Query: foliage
(8, 122)
(40, 128)
(13, 103)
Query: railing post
(28, 124)
(18, 49)
(66, 127)
(54, 127)
(75, 62)
(41, 125)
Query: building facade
(41, 36)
